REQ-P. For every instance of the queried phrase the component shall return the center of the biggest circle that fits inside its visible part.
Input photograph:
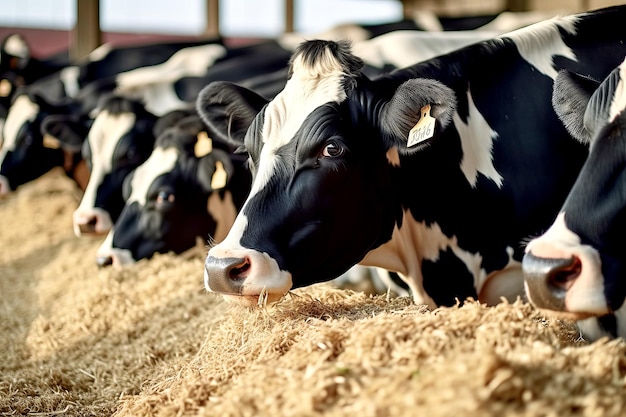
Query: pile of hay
(148, 340)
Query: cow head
(578, 266)
(26, 152)
(322, 153)
(119, 140)
(182, 192)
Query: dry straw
(149, 341)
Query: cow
(162, 88)
(577, 268)
(119, 139)
(437, 171)
(188, 189)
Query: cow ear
(570, 95)
(607, 102)
(418, 111)
(214, 170)
(65, 131)
(228, 110)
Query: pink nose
(549, 279)
(227, 275)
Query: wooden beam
(212, 18)
(289, 16)
(86, 35)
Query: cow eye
(332, 150)
(165, 197)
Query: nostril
(103, 261)
(563, 278)
(239, 271)
(89, 226)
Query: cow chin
(259, 300)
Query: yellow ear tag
(218, 180)
(424, 129)
(203, 146)
(51, 142)
(5, 88)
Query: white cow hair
(161, 161)
(477, 139)
(16, 45)
(546, 34)
(103, 137)
(22, 110)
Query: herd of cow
(481, 163)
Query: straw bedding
(147, 340)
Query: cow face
(578, 267)
(174, 198)
(24, 154)
(322, 153)
(119, 140)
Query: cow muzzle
(547, 280)
(92, 222)
(246, 277)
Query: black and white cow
(185, 190)
(578, 267)
(438, 171)
(165, 87)
(120, 138)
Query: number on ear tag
(424, 129)
(218, 180)
(204, 145)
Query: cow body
(336, 182)
(577, 269)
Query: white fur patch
(414, 243)
(539, 43)
(21, 111)
(187, 62)
(160, 162)
(69, 79)
(308, 88)
(619, 99)
(16, 45)
(477, 143)
(103, 137)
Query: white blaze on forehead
(309, 87)
(21, 111)
(103, 137)
(539, 43)
(619, 99)
(477, 143)
(160, 162)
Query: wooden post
(86, 35)
(212, 18)
(289, 16)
